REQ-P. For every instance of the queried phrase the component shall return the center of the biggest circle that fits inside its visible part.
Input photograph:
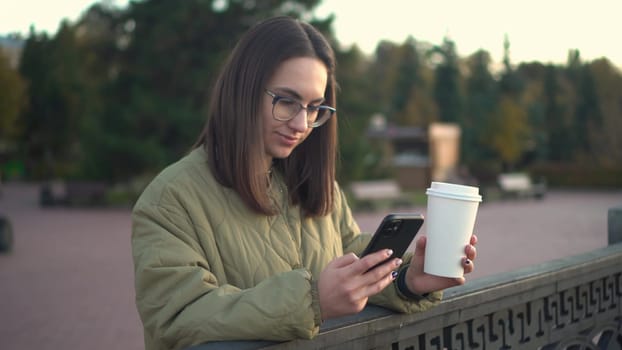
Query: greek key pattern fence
(570, 304)
(587, 316)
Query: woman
(249, 236)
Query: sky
(538, 30)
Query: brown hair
(233, 136)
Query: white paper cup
(450, 220)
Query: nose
(299, 123)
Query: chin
(282, 153)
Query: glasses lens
(320, 116)
(285, 109)
(313, 115)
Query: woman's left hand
(421, 283)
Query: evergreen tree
(557, 133)
(123, 92)
(604, 135)
(12, 101)
(58, 100)
(356, 103)
(384, 74)
(412, 100)
(481, 101)
(588, 117)
(532, 76)
(510, 83)
(447, 83)
(407, 79)
(512, 137)
(170, 54)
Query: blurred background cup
(450, 220)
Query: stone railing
(571, 303)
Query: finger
(468, 265)
(473, 239)
(377, 287)
(371, 260)
(420, 245)
(373, 280)
(459, 280)
(344, 260)
(382, 271)
(471, 252)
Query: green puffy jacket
(207, 268)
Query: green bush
(578, 175)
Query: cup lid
(454, 191)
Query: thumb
(420, 245)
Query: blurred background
(522, 98)
(113, 91)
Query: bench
(371, 194)
(520, 185)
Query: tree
(356, 103)
(605, 140)
(533, 77)
(57, 102)
(587, 114)
(513, 137)
(170, 55)
(447, 83)
(407, 77)
(412, 101)
(383, 73)
(480, 105)
(510, 83)
(557, 130)
(102, 34)
(35, 119)
(12, 101)
(511, 132)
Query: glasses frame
(318, 122)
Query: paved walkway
(68, 284)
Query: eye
(287, 102)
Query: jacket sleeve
(181, 302)
(354, 241)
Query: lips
(288, 140)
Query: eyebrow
(295, 94)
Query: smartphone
(395, 232)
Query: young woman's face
(302, 79)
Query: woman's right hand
(345, 284)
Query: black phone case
(395, 232)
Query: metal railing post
(614, 225)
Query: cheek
(266, 113)
(267, 122)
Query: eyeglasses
(285, 109)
